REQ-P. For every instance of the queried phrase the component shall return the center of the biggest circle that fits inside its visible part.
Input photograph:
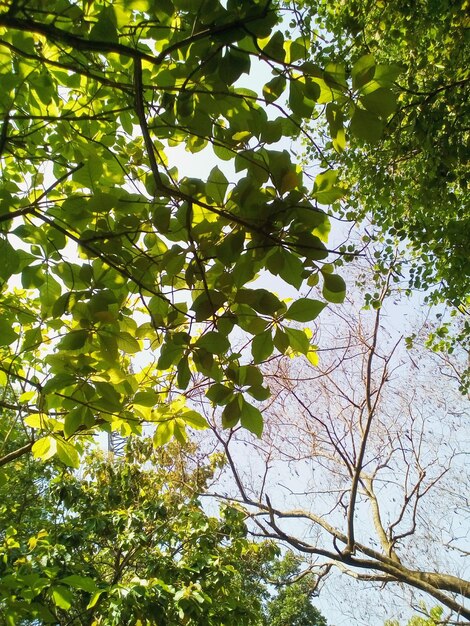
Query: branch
(11, 456)
(370, 414)
(106, 47)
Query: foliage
(126, 543)
(292, 606)
(112, 252)
(413, 180)
(434, 618)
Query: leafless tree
(362, 464)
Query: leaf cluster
(110, 252)
(128, 542)
(413, 184)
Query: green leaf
(233, 64)
(325, 190)
(7, 334)
(49, 291)
(363, 71)
(194, 420)
(229, 250)
(60, 381)
(249, 321)
(44, 448)
(281, 341)
(334, 288)
(292, 269)
(171, 352)
(329, 196)
(262, 346)
(298, 101)
(75, 340)
(217, 185)
(207, 303)
(214, 342)
(73, 420)
(274, 88)
(259, 393)
(382, 102)
(127, 343)
(251, 418)
(67, 453)
(261, 300)
(85, 583)
(248, 375)
(105, 28)
(62, 597)
(387, 74)
(179, 432)
(334, 116)
(10, 259)
(274, 49)
(94, 598)
(184, 373)
(163, 434)
(232, 411)
(148, 398)
(304, 310)
(219, 394)
(365, 125)
(298, 340)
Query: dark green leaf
(219, 394)
(251, 418)
(259, 393)
(274, 88)
(274, 49)
(366, 126)
(75, 340)
(217, 184)
(304, 310)
(262, 346)
(334, 288)
(382, 102)
(232, 411)
(363, 71)
(208, 303)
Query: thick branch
(11, 456)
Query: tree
(408, 172)
(111, 251)
(125, 543)
(372, 440)
(292, 606)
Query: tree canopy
(413, 182)
(125, 542)
(110, 252)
